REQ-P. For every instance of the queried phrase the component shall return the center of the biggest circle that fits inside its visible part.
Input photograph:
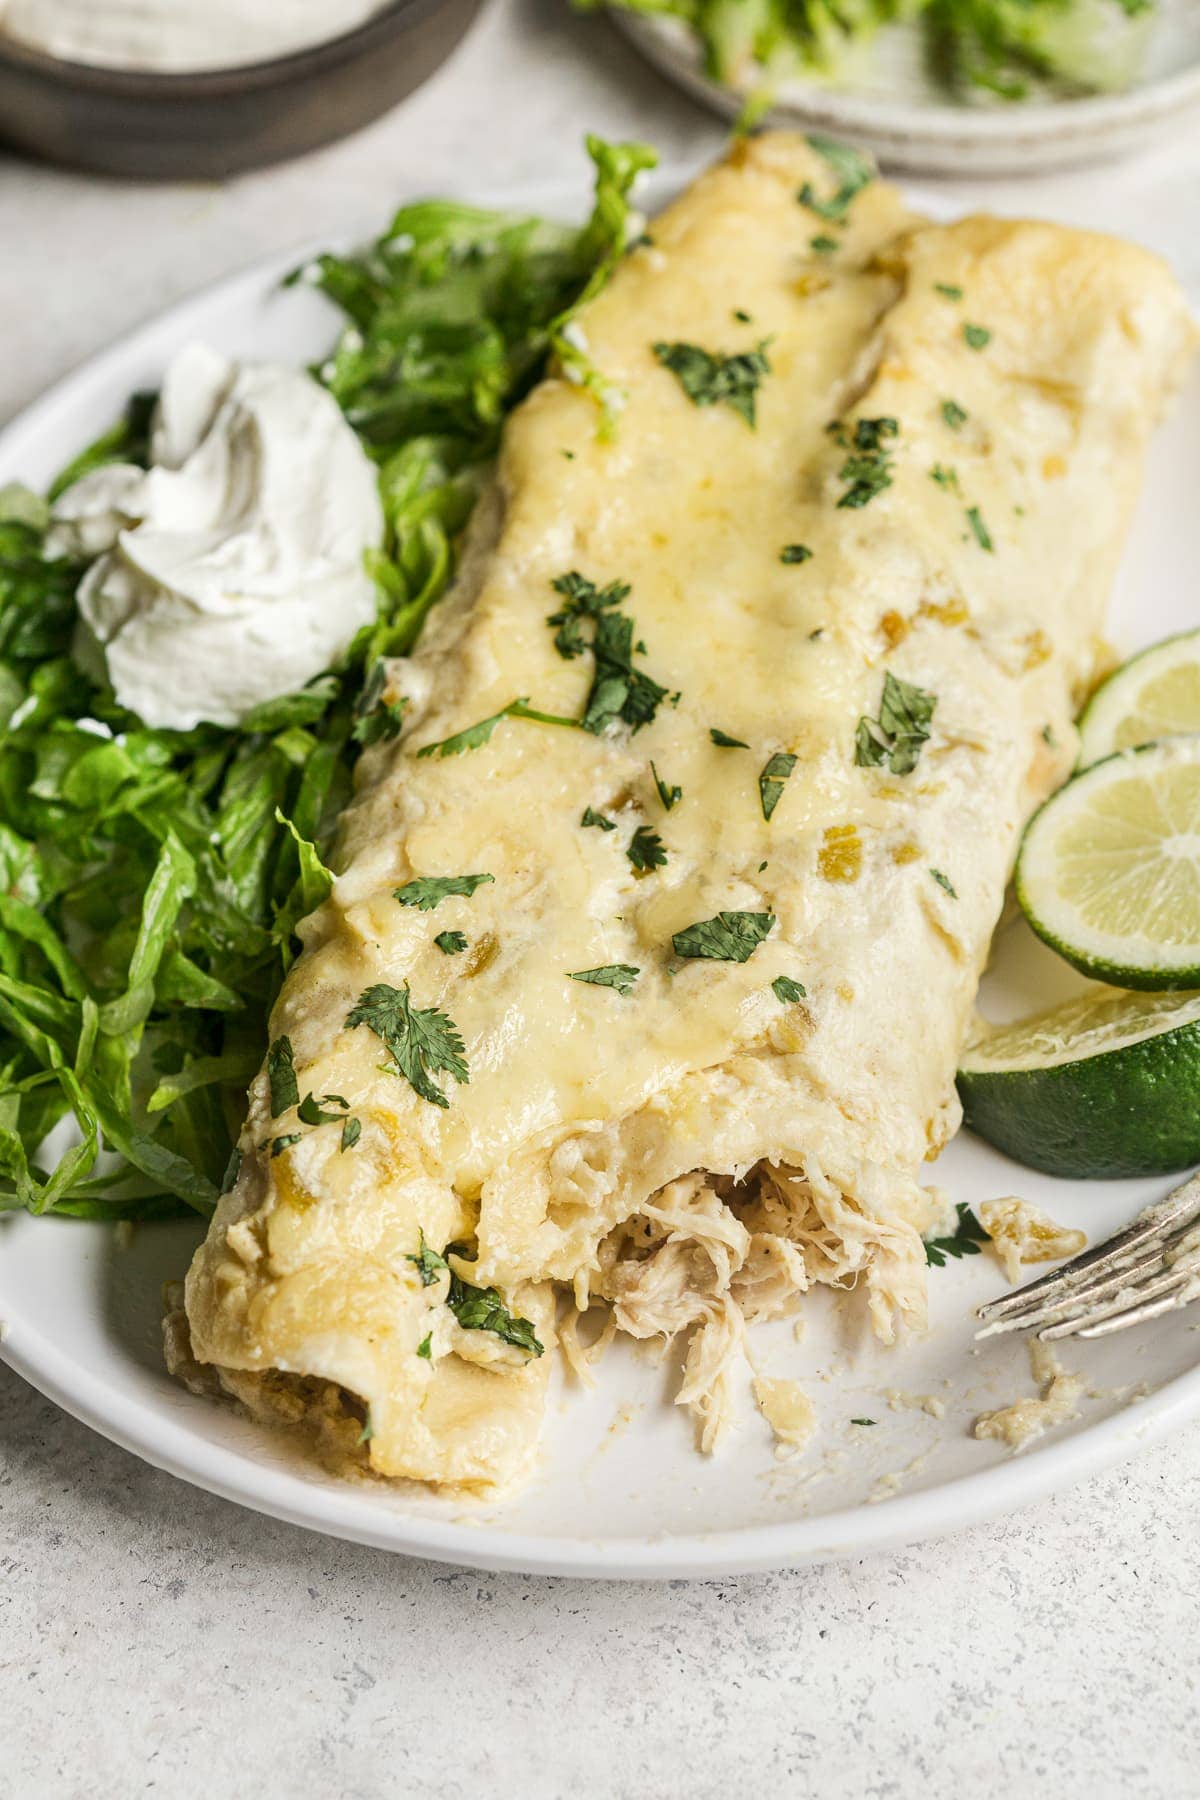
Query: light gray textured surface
(155, 1640)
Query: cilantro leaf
(977, 337)
(852, 170)
(947, 290)
(483, 1309)
(474, 737)
(953, 414)
(669, 795)
(776, 770)
(967, 1239)
(795, 553)
(280, 1144)
(592, 817)
(723, 741)
(614, 975)
(945, 478)
(310, 1110)
(376, 719)
(425, 1347)
(421, 1041)
(894, 740)
(787, 991)
(450, 943)
(429, 1265)
(618, 690)
(945, 882)
(867, 470)
(982, 535)
(583, 600)
(351, 1132)
(428, 891)
(710, 378)
(281, 1074)
(728, 937)
(646, 850)
(824, 246)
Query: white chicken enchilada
(656, 931)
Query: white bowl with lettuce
(949, 87)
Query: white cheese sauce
(232, 570)
(174, 37)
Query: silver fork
(1149, 1268)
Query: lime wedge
(1103, 1085)
(1154, 695)
(1109, 869)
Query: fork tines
(1149, 1268)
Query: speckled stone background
(155, 1640)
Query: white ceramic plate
(891, 105)
(621, 1491)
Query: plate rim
(166, 1443)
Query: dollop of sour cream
(178, 36)
(231, 570)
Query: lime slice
(1109, 869)
(1154, 695)
(1104, 1085)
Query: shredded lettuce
(1006, 47)
(151, 881)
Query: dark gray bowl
(204, 126)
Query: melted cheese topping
(602, 1138)
(1023, 1233)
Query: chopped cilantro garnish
(967, 1239)
(954, 415)
(977, 337)
(592, 817)
(853, 171)
(428, 891)
(983, 536)
(795, 553)
(351, 1132)
(451, 942)
(425, 1347)
(742, 316)
(429, 1265)
(862, 1421)
(474, 737)
(948, 291)
(770, 783)
(280, 1144)
(646, 850)
(894, 739)
(614, 975)
(711, 377)
(483, 1309)
(669, 795)
(867, 469)
(1048, 737)
(421, 1041)
(728, 937)
(311, 1110)
(583, 600)
(945, 478)
(788, 991)
(723, 741)
(945, 882)
(281, 1074)
(618, 690)
(824, 246)
(377, 719)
